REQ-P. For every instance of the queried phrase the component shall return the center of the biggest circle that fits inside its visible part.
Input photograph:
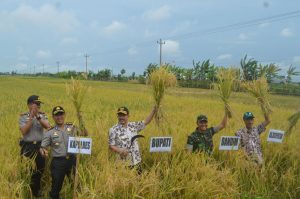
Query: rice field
(226, 174)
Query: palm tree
(249, 68)
(291, 72)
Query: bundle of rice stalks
(76, 91)
(160, 80)
(259, 89)
(293, 121)
(226, 79)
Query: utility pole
(86, 70)
(160, 42)
(57, 66)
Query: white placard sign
(275, 136)
(229, 143)
(161, 144)
(80, 145)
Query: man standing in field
(249, 136)
(32, 125)
(120, 137)
(201, 140)
(57, 138)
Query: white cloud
(263, 25)
(114, 27)
(296, 59)
(286, 32)
(42, 54)
(45, 16)
(69, 40)
(243, 36)
(171, 47)
(224, 56)
(162, 13)
(132, 51)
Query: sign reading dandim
(229, 143)
(161, 144)
(80, 145)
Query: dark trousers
(31, 150)
(60, 167)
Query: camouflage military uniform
(62, 162)
(250, 141)
(121, 137)
(202, 141)
(30, 145)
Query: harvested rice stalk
(293, 119)
(259, 89)
(160, 80)
(76, 91)
(226, 79)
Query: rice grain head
(160, 80)
(260, 90)
(226, 79)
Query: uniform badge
(69, 129)
(55, 133)
(56, 143)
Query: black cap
(123, 110)
(202, 118)
(58, 109)
(34, 98)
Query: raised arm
(223, 123)
(267, 120)
(151, 115)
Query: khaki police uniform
(30, 144)
(62, 162)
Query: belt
(33, 142)
(64, 157)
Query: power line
(235, 26)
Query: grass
(167, 175)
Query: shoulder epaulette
(51, 127)
(69, 123)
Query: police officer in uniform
(57, 138)
(32, 125)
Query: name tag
(161, 144)
(275, 136)
(228, 143)
(80, 145)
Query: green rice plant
(160, 80)
(259, 89)
(226, 79)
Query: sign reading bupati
(80, 145)
(275, 136)
(161, 144)
(229, 143)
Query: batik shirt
(250, 141)
(202, 141)
(120, 136)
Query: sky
(36, 34)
